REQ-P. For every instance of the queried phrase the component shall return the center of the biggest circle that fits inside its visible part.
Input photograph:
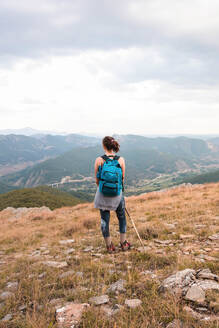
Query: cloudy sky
(110, 66)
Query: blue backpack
(110, 176)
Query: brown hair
(111, 144)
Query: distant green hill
(140, 163)
(18, 148)
(146, 158)
(5, 188)
(205, 178)
(37, 197)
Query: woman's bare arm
(98, 162)
(122, 163)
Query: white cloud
(130, 66)
(75, 93)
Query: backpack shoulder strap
(115, 157)
(105, 157)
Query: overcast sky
(110, 66)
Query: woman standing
(108, 203)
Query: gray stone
(164, 242)
(69, 316)
(206, 274)
(208, 284)
(133, 303)
(88, 249)
(98, 300)
(186, 236)
(6, 295)
(195, 294)
(117, 286)
(12, 286)
(110, 311)
(66, 241)
(8, 317)
(67, 274)
(176, 282)
(55, 264)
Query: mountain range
(146, 159)
(18, 150)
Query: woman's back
(111, 178)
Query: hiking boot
(111, 248)
(125, 245)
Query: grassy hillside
(176, 227)
(37, 197)
(205, 178)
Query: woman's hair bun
(111, 144)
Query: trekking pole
(133, 223)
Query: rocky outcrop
(98, 300)
(133, 303)
(192, 286)
(70, 314)
(14, 214)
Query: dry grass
(163, 216)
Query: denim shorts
(105, 219)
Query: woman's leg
(120, 212)
(105, 218)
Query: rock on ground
(196, 294)
(98, 300)
(110, 311)
(70, 315)
(6, 295)
(8, 317)
(66, 274)
(195, 287)
(66, 241)
(117, 286)
(12, 286)
(206, 274)
(13, 214)
(208, 284)
(178, 281)
(55, 264)
(133, 303)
